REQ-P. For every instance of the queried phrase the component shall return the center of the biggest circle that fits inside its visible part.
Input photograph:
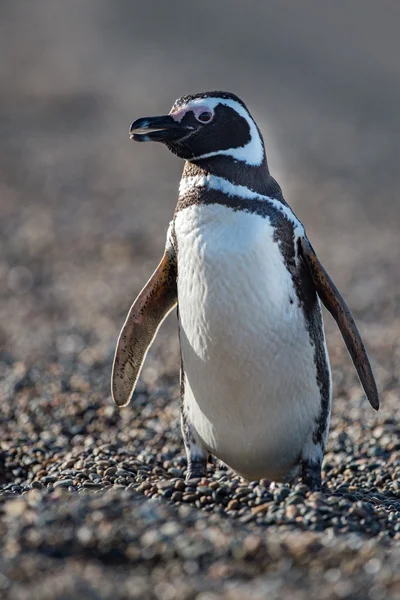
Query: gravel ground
(93, 502)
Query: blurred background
(84, 211)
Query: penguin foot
(196, 470)
(311, 475)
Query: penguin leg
(196, 455)
(313, 450)
(311, 474)
(311, 462)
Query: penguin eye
(205, 116)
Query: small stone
(122, 473)
(177, 496)
(110, 471)
(64, 483)
(163, 485)
(262, 508)
(49, 479)
(194, 481)
(92, 485)
(242, 491)
(175, 472)
(204, 490)
(189, 497)
(281, 495)
(296, 498)
(179, 485)
(37, 485)
(146, 485)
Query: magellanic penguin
(255, 375)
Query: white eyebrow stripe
(178, 115)
(223, 185)
(253, 152)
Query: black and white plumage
(255, 375)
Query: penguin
(256, 385)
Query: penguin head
(206, 125)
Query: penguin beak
(158, 129)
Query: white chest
(250, 379)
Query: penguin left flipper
(158, 297)
(336, 305)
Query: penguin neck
(255, 178)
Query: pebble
(261, 508)
(110, 471)
(49, 479)
(65, 483)
(232, 504)
(189, 497)
(37, 485)
(91, 485)
(176, 496)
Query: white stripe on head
(251, 153)
(220, 184)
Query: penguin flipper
(336, 305)
(155, 301)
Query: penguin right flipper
(158, 297)
(336, 305)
